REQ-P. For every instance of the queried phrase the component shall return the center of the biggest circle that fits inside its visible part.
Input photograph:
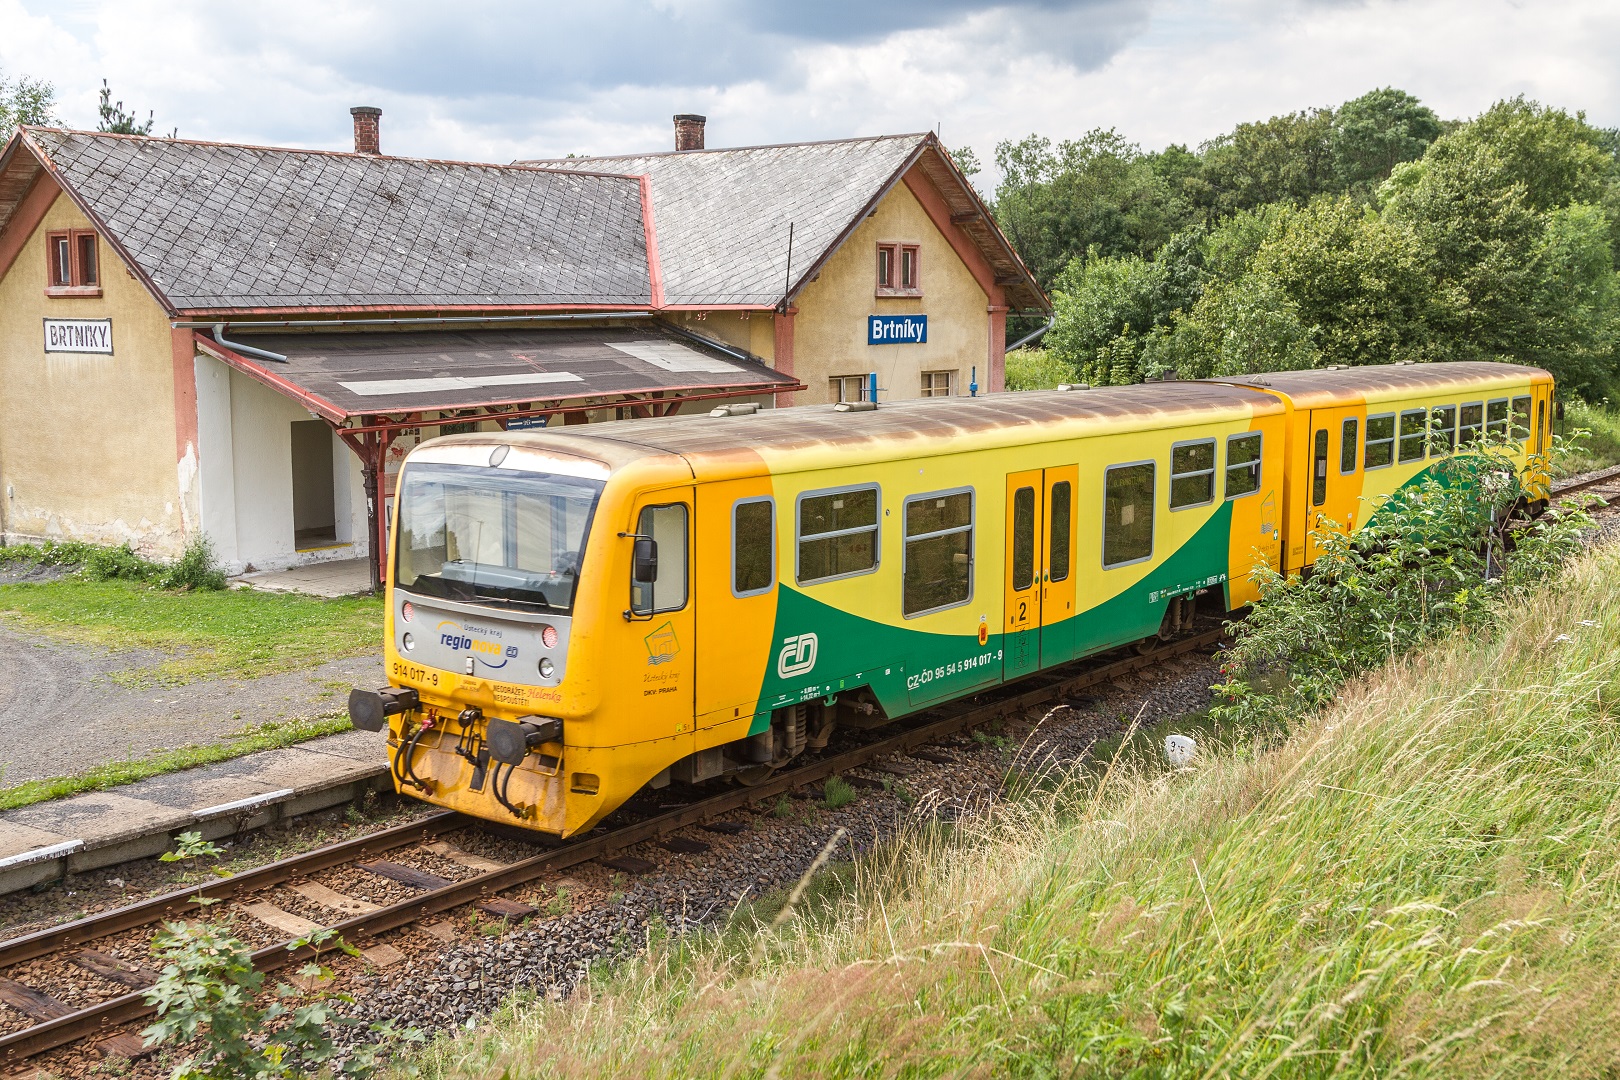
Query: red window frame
(79, 274)
(899, 269)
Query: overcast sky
(490, 80)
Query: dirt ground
(60, 712)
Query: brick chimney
(688, 131)
(366, 121)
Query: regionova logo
(798, 656)
(492, 654)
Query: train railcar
(574, 615)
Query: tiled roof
(222, 226)
(722, 215)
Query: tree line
(1366, 234)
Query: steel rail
(1604, 477)
(116, 1012)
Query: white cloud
(489, 80)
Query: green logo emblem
(662, 645)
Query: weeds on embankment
(1422, 879)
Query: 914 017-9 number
(412, 673)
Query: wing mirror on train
(644, 569)
(510, 741)
(369, 710)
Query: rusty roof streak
(1315, 389)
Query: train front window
(482, 535)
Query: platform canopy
(373, 385)
(497, 373)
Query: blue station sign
(896, 329)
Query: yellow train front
(574, 615)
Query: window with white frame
(938, 383)
(939, 552)
(1192, 473)
(849, 387)
(838, 533)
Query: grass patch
(269, 736)
(1420, 880)
(234, 632)
(837, 793)
(1602, 449)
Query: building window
(1127, 513)
(938, 383)
(75, 269)
(849, 387)
(838, 534)
(899, 270)
(753, 546)
(939, 552)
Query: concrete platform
(341, 577)
(48, 840)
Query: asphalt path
(61, 712)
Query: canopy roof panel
(342, 375)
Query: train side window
(1496, 418)
(939, 551)
(1319, 454)
(1023, 539)
(667, 591)
(1242, 464)
(838, 533)
(1521, 418)
(1380, 451)
(1541, 426)
(1062, 519)
(1473, 421)
(1443, 429)
(753, 546)
(1192, 474)
(1413, 436)
(1128, 513)
(1348, 447)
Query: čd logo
(797, 657)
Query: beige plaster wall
(752, 331)
(87, 443)
(829, 335)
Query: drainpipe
(1027, 338)
(247, 350)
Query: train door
(737, 543)
(1333, 488)
(1025, 567)
(1057, 582)
(660, 621)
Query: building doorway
(314, 505)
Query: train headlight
(546, 667)
(548, 636)
(408, 641)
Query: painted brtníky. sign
(79, 335)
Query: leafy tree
(1284, 159)
(963, 158)
(26, 101)
(1377, 131)
(1097, 192)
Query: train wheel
(754, 775)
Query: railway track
(57, 1024)
(1601, 478)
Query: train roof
(1003, 419)
(1322, 387)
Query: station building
(244, 342)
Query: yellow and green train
(573, 615)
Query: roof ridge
(513, 166)
(723, 149)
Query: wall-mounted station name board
(897, 329)
(79, 335)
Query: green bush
(121, 562)
(837, 793)
(1440, 554)
(196, 568)
(1036, 369)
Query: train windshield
(495, 536)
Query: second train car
(573, 615)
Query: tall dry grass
(1422, 881)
